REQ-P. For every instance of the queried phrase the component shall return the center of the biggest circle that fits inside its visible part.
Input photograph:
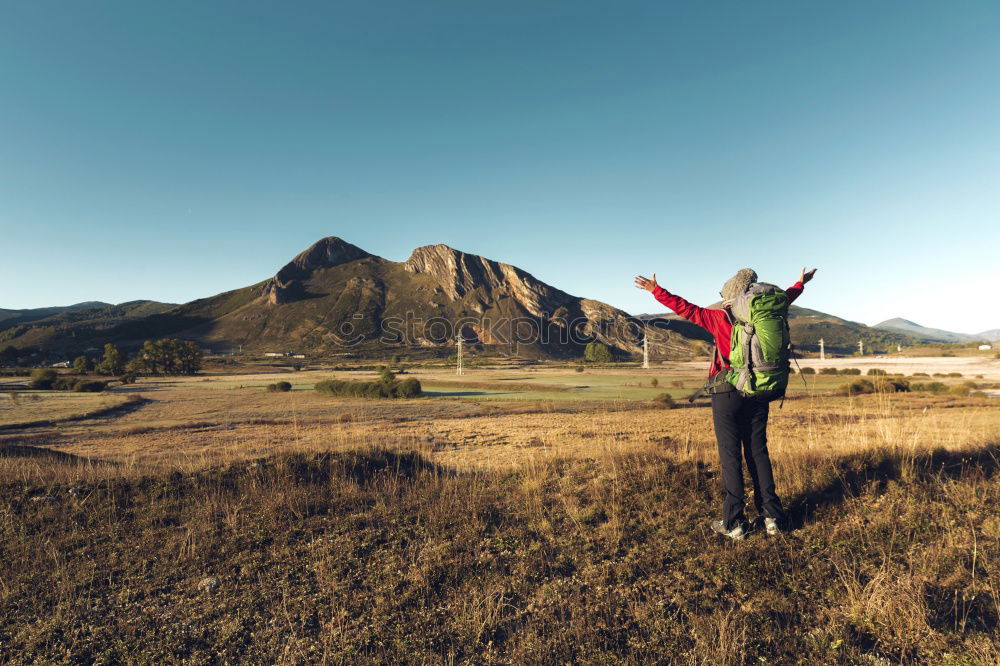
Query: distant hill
(840, 336)
(991, 335)
(334, 296)
(73, 328)
(10, 317)
(922, 332)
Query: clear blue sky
(174, 150)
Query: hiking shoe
(771, 526)
(736, 533)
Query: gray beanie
(737, 285)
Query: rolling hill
(11, 317)
(923, 333)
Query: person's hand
(645, 283)
(806, 276)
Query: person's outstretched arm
(796, 289)
(710, 320)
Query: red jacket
(716, 322)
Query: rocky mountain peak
(328, 252)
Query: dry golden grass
(345, 531)
(28, 406)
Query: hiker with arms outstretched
(749, 369)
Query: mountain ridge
(335, 295)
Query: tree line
(169, 356)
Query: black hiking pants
(741, 430)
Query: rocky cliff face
(459, 274)
(487, 287)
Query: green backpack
(761, 345)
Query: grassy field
(515, 516)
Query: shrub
(808, 370)
(664, 400)
(90, 387)
(954, 374)
(43, 378)
(883, 385)
(387, 376)
(579, 368)
(405, 389)
(127, 379)
(978, 394)
(597, 352)
(920, 374)
(876, 372)
(409, 388)
(65, 384)
(856, 387)
(828, 371)
(932, 387)
(654, 382)
(851, 371)
(280, 387)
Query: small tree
(597, 352)
(188, 357)
(9, 355)
(82, 365)
(113, 362)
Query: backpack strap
(711, 386)
(745, 382)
